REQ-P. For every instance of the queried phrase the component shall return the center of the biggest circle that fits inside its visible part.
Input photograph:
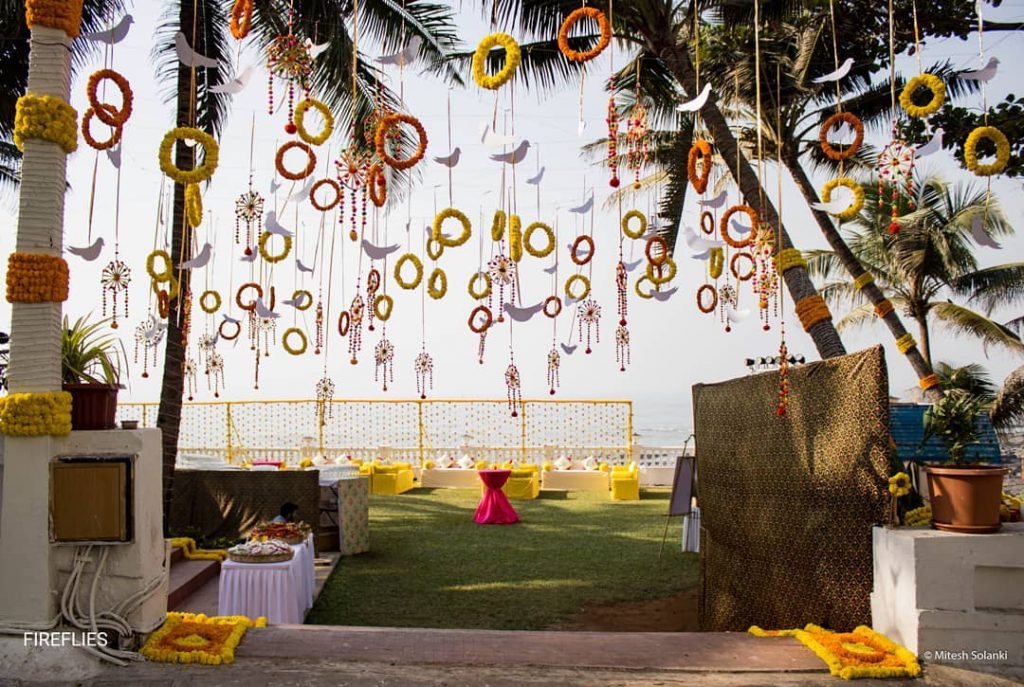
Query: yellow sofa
(523, 483)
(391, 479)
(626, 482)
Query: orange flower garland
(575, 254)
(65, 15)
(602, 25)
(707, 288)
(325, 207)
(552, 306)
(700, 151)
(36, 278)
(836, 119)
(241, 18)
(723, 226)
(733, 265)
(811, 311)
(115, 134)
(662, 255)
(110, 115)
(884, 307)
(377, 185)
(385, 125)
(232, 337)
(251, 305)
(484, 324)
(707, 222)
(310, 157)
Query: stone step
(187, 577)
(177, 555)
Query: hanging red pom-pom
(290, 128)
(894, 228)
(614, 182)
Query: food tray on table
(258, 551)
(275, 558)
(288, 532)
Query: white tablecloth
(282, 592)
(575, 480)
(450, 478)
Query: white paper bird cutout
(694, 242)
(838, 74)
(231, 320)
(88, 253)
(492, 140)
(301, 267)
(317, 50)
(552, 269)
(250, 257)
(404, 56)
(581, 127)
(568, 350)
(739, 228)
(378, 252)
(569, 300)
(535, 179)
(274, 185)
(264, 311)
(932, 146)
(189, 57)
(735, 315)
(585, 208)
(449, 161)
(235, 85)
(271, 224)
(703, 255)
(841, 199)
(630, 266)
(299, 302)
(523, 314)
(698, 102)
(664, 295)
(201, 258)
(301, 194)
(581, 253)
(984, 74)
(981, 237)
(430, 233)
(113, 35)
(114, 155)
(716, 202)
(514, 157)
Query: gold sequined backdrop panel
(787, 504)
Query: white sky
(673, 344)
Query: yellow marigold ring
(299, 119)
(48, 118)
(377, 185)
(641, 228)
(286, 343)
(193, 205)
(723, 225)
(383, 304)
(1002, 151)
(709, 307)
(172, 292)
(204, 301)
(602, 25)
(572, 281)
(936, 88)
(478, 294)
(700, 152)
(271, 257)
(304, 297)
(498, 225)
(515, 239)
(335, 199)
(858, 136)
(639, 291)
(435, 249)
(661, 278)
(211, 155)
(528, 235)
(115, 131)
(417, 266)
(251, 305)
(310, 160)
(166, 273)
(458, 215)
(716, 262)
(552, 306)
(380, 138)
(110, 115)
(437, 285)
(512, 58)
(574, 254)
(855, 206)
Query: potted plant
(91, 365)
(965, 497)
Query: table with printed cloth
(282, 592)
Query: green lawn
(430, 565)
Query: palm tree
(205, 25)
(927, 264)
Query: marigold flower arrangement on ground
(190, 638)
(36, 414)
(862, 653)
(36, 278)
(48, 118)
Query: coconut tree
(342, 77)
(926, 265)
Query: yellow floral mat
(196, 638)
(861, 653)
(188, 547)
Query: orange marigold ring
(344, 322)
(700, 151)
(173, 291)
(575, 253)
(552, 306)
(251, 305)
(602, 25)
(310, 160)
(163, 303)
(484, 325)
(734, 265)
(707, 222)
(833, 121)
(36, 278)
(662, 255)
(241, 18)
(325, 207)
(380, 139)
(377, 185)
(106, 113)
(232, 337)
(707, 288)
(115, 133)
(723, 226)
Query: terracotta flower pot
(93, 406)
(966, 499)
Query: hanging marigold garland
(603, 27)
(937, 95)
(377, 185)
(575, 252)
(481, 326)
(380, 140)
(701, 304)
(528, 235)
(211, 155)
(483, 49)
(265, 252)
(241, 18)
(310, 161)
(300, 121)
(997, 137)
(106, 113)
(656, 257)
(584, 286)
(478, 293)
(193, 205)
(723, 225)
(115, 133)
(335, 199)
(417, 266)
(836, 119)
(286, 344)
(205, 306)
(855, 206)
(641, 228)
(515, 238)
(498, 225)
(438, 235)
(700, 152)
(437, 285)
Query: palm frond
(962, 320)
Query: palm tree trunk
(919, 356)
(798, 281)
(926, 340)
(169, 414)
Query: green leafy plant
(89, 354)
(954, 420)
